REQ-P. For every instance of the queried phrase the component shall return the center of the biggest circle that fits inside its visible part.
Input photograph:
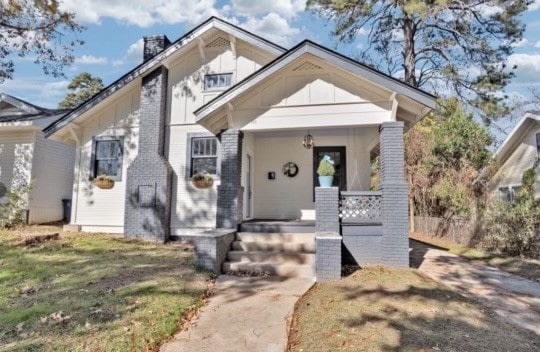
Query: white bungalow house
(258, 118)
(519, 152)
(26, 156)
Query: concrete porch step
(276, 237)
(294, 258)
(275, 246)
(279, 269)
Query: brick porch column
(230, 200)
(395, 239)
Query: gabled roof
(149, 65)
(516, 133)
(13, 109)
(331, 56)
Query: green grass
(381, 309)
(120, 295)
(524, 267)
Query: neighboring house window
(204, 155)
(509, 194)
(217, 81)
(107, 157)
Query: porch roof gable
(333, 57)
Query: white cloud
(135, 51)
(361, 32)
(285, 8)
(37, 90)
(143, 13)
(272, 27)
(537, 45)
(528, 67)
(521, 43)
(535, 6)
(91, 60)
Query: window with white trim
(107, 157)
(509, 193)
(204, 155)
(217, 81)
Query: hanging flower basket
(104, 182)
(202, 180)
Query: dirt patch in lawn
(93, 292)
(380, 309)
(524, 267)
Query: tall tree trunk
(409, 55)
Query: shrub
(513, 228)
(326, 167)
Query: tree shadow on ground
(400, 310)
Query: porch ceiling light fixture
(308, 141)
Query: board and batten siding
(311, 94)
(194, 210)
(52, 172)
(93, 208)
(522, 158)
(292, 197)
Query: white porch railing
(360, 207)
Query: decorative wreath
(290, 169)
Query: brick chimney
(154, 44)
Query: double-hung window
(204, 155)
(217, 81)
(107, 156)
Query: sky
(114, 31)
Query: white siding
(191, 207)
(95, 208)
(52, 172)
(522, 158)
(195, 209)
(305, 98)
(16, 155)
(186, 76)
(292, 198)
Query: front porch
(352, 113)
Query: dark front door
(337, 154)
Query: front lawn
(381, 309)
(524, 267)
(93, 292)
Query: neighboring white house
(26, 156)
(223, 100)
(519, 152)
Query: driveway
(246, 314)
(512, 297)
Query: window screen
(217, 81)
(204, 155)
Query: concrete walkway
(245, 314)
(512, 297)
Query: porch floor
(276, 222)
(278, 225)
